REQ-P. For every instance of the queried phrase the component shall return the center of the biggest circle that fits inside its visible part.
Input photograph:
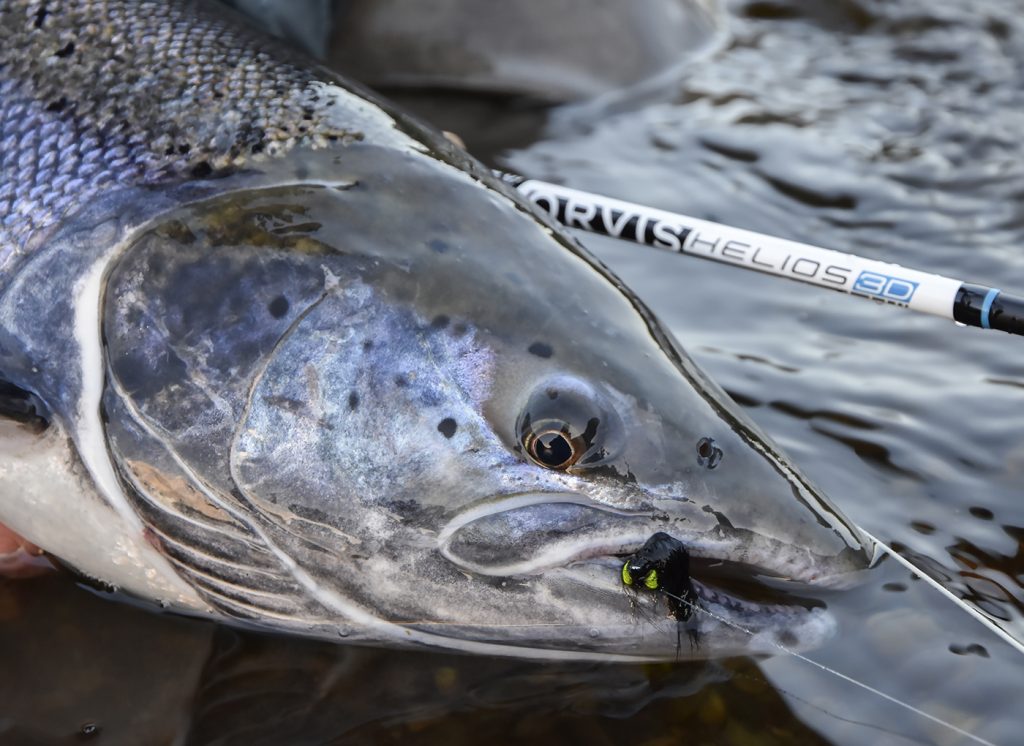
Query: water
(890, 130)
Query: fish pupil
(552, 449)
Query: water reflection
(78, 667)
(114, 674)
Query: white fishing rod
(972, 305)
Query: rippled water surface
(892, 130)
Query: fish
(276, 354)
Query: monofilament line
(986, 621)
(844, 677)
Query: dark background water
(889, 129)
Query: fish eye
(566, 423)
(551, 448)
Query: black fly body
(662, 565)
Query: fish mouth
(599, 618)
(730, 590)
(579, 546)
(732, 608)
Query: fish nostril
(709, 455)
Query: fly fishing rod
(965, 303)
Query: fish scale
(120, 93)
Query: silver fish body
(304, 365)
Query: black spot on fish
(894, 587)
(41, 16)
(401, 381)
(438, 245)
(66, 51)
(353, 401)
(440, 321)
(278, 307)
(541, 350)
(367, 345)
(983, 513)
(552, 394)
(447, 427)
(201, 169)
(709, 455)
(59, 105)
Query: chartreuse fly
(662, 565)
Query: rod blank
(972, 305)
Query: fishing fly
(662, 565)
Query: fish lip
(507, 503)
(722, 603)
(633, 619)
(706, 549)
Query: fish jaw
(530, 532)
(752, 593)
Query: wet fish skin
(111, 112)
(96, 95)
(289, 387)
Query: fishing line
(780, 647)
(738, 674)
(986, 621)
(844, 677)
(767, 684)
